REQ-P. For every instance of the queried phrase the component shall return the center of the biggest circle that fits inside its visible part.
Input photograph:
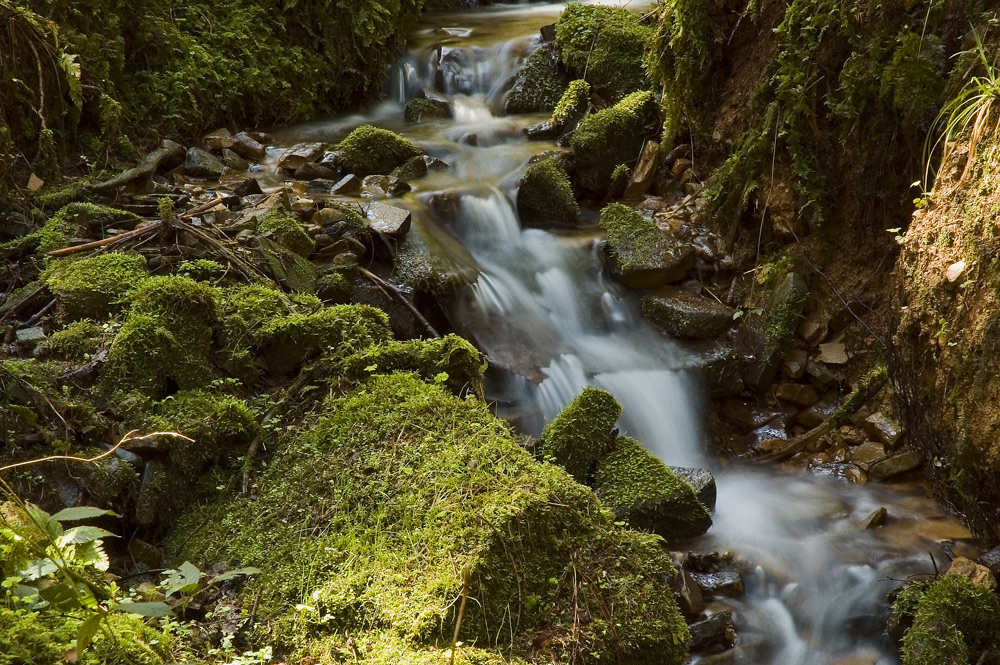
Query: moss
(289, 268)
(77, 341)
(370, 150)
(334, 287)
(112, 482)
(545, 196)
(94, 287)
(29, 638)
(380, 648)
(643, 491)
(366, 524)
(356, 226)
(572, 105)
(634, 242)
(131, 641)
(538, 84)
(420, 109)
(202, 270)
(69, 221)
(583, 433)
(604, 45)
(954, 621)
(286, 230)
(612, 137)
(434, 263)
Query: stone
(955, 271)
(539, 83)
(681, 313)
(747, 415)
(435, 164)
(142, 552)
(895, 465)
(545, 196)
(348, 184)
(614, 136)
(701, 481)
(247, 187)
(883, 427)
(867, 454)
(991, 559)
(797, 393)
(721, 583)
(833, 353)
(639, 254)
(544, 131)
(388, 220)
(794, 364)
(29, 335)
(420, 110)
(814, 329)
(877, 518)
(820, 376)
(976, 573)
(644, 172)
(941, 530)
(202, 164)
(248, 147)
(818, 412)
(219, 139)
(384, 185)
(441, 103)
(413, 168)
(764, 338)
(155, 481)
(708, 562)
(715, 631)
(233, 162)
(718, 366)
(296, 156)
(689, 597)
(312, 171)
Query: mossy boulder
(286, 230)
(605, 45)
(288, 267)
(415, 490)
(421, 109)
(767, 335)
(77, 341)
(684, 314)
(953, 621)
(611, 137)
(572, 105)
(639, 255)
(644, 492)
(545, 196)
(370, 150)
(539, 83)
(582, 433)
(94, 287)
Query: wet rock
(701, 481)
(797, 393)
(722, 583)
(991, 559)
(544, 131)
(347, 185)
(384, 185)
(421, 110)
(435, 164)
(233, 161)
(689, 597)
(545, 196)
(746, 415)
(644, 172)
(202, 164)
(715, 631)
(614, 136)
(685, 314)
(833, 353)
(976, 573)
(401, 319)
(539, 83)
(765, 337)
(312, 171)
(794, 364)
(219, 140)
(719, 367)
(895, 465)
(708, 562)
(883, 427)
(388, 220)
(640, 256)
(248, 147)
(771, 435)
(876, 519)
(298, 155)
(413, 168)
(814, 328)
(867, 454)
(247, 187)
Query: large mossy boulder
(545, 196)
(605, 45)
(614, 136)
(644, 492)
(684, 314)
(639, 255)
(539, 83)
(94, 287)
(582, 433)
(371, 522)
(371, 150)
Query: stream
(551, 323)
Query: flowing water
(552, 323)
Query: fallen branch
(23, 301)
(394, 293)
(147, 166)
(97, 244)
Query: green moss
(356, 225)
(611, 137)
(202, 270)
(289, 268)
(369, 150)
(70, 220)
(583, 433)
(606, 46)
(216, 423)
(954, 621)
(286, 230)
(643, 491)
(335, 287)
(94, 287)
(573, 104)
(131, 641)
(634, 242)
(545, 195)
(366, 524)
(538, 84)
(77, 341)
(27, 639)
(420, 109)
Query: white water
(543, 310)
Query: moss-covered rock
(539, 82)
(77, 341)
(289, 268)
(605, 45)
(94, 287)
(69, 221)
(420, 109)
(366, 524)
(370, 150)
(612, 137)
(643, 491)
(639, 254)
(583, 433)
(953, 621)
(286, 230)
(685, 314)
(545, 196)
(572, 105)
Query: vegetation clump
(370, 150)
(644, 492)
(545, 196)
(77, 341)
(420, 110)
(582, 433)
(636, 247)
(95, 287)
(286, 230)
(606, 46)
(68, 221)
(572, 105)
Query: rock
(644, 492)
(719, 367)
(797, 393)
(746, 415)
(976, 573)
(248, 147)
(233, 161)
(435, 164)
(369, 150)
(348, 184)
(955, 270)
(153, 491)
(867, 454)
(30, 335)
(701, 481)
(143, 553)
(715, 631)
(401, 319)
(583, 433)
(219, 140)
(414, 168)
(384, 185)
(420, 110)
(202, 164)
(288, 267)
(544, 131)
(708, 562)
(876, 519)
(150, 447)
(814, 329)
(884, 428)
(548, 32)
(895, 465)
(639, 255)
(794, 364)
(685, 314)
(688, 592)
(538, 84)
(721, 583)
(571, 108)
(298, 155)
(312, 171)
(545, 196)
(643, 173)
(833, 353)
(247, 187)
(388, 220)
(764, 338)
(991, 559)
(614, 136)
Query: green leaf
(183, 580)
(69, 65)
(87, 631)
(39, 568)
(51, 528)
(60, 596)
(81, 513)
(145, 609)
(230, 574)
(82, 534)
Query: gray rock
(30, 335)
(247, 187)
(248, 147)
(689, 597)
(877, 518)
(539, 83)
(415, 167)
(722, 583)
(388, 220)
(991, 559)
(348, 184)
(764, 338)
(718, 366)
(202, 164)
(682, 313)
(293, 158)
(544, 131)
(715, 631)
(404, 325)
(233, 161)
(219, 140)
(435, 164)
(883, 427)
(895, 465)
(702, 481)
(312, 171)
(384, 185)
